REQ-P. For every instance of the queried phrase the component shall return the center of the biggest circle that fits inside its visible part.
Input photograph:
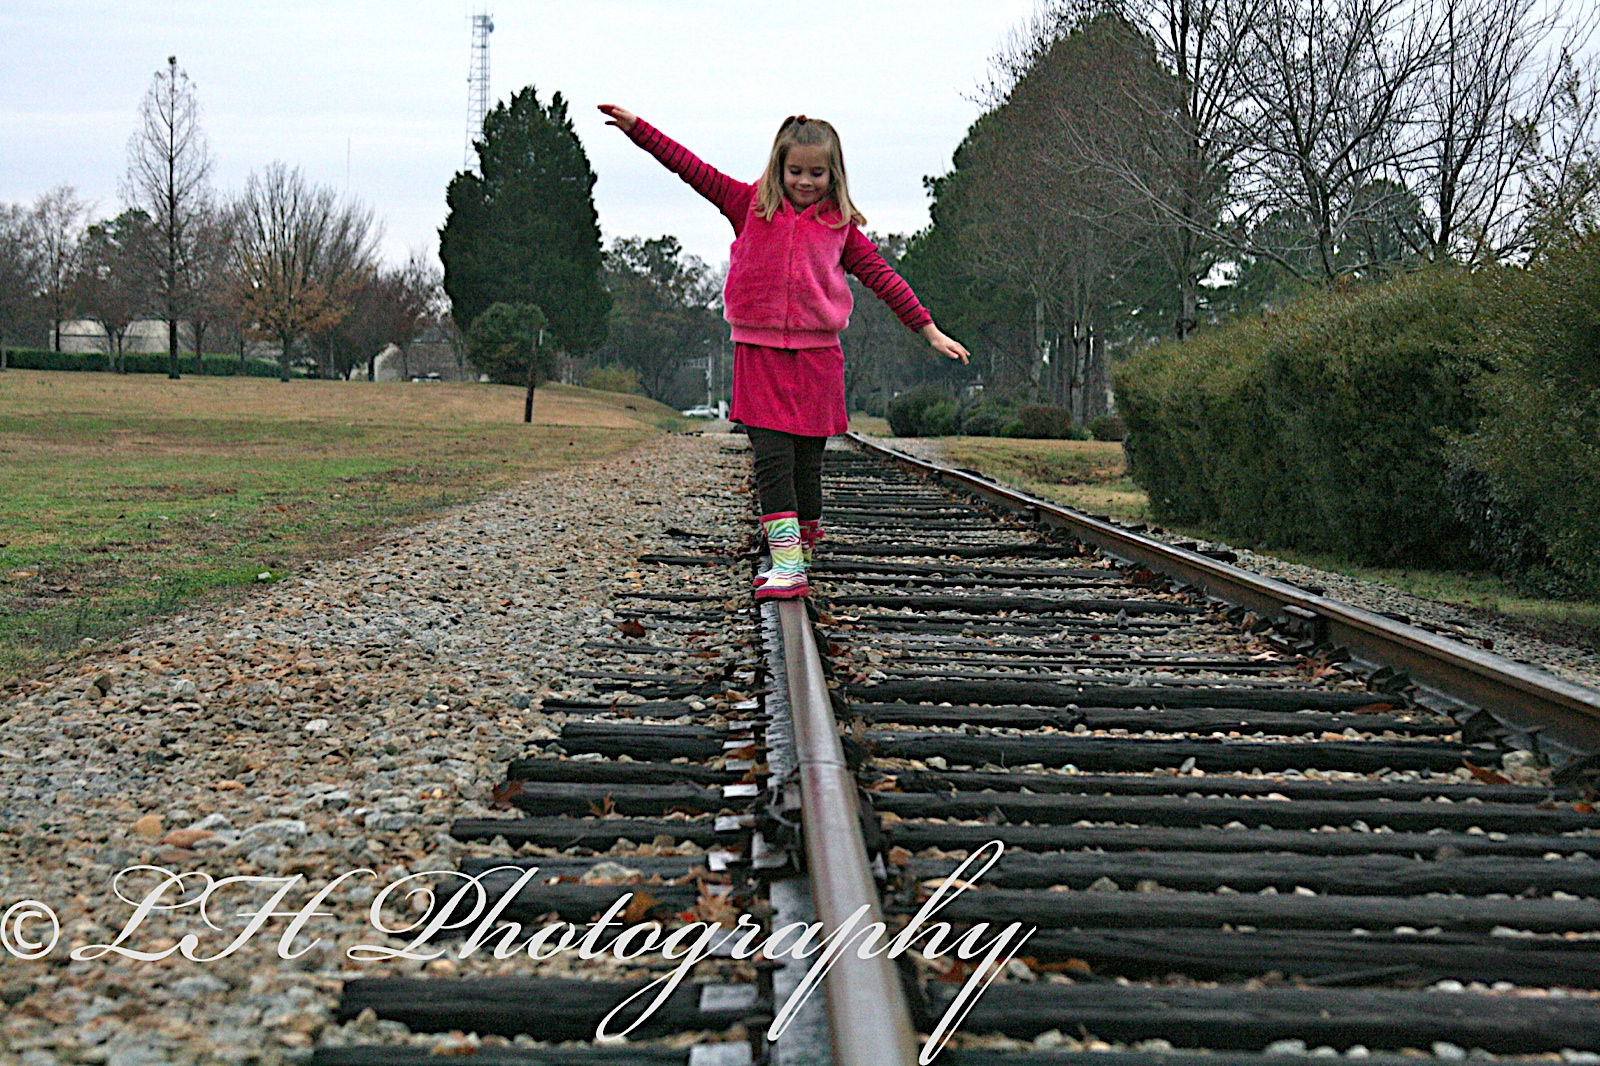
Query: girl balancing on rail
(796, 234)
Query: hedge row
(1531, 470)
(139, 363)
(1324, 427)
(930, 411)
(1441, 419)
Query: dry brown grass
(121, 496)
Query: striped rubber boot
(810, 533)
(786, 579)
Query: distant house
(86, 336)
(433, 352)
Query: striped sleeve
(731, 197)
(861, 258)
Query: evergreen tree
(525, 231)
(507, 343)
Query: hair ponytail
(798, 130)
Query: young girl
(796, 234)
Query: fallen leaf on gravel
(187, 838)
(148, 827)
(632, 627)
(638, 908)
(711, 907)
(229, 786)
(1486, 775)
(500, 799)
(1069, 966)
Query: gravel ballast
(342, 718)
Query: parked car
(702, 411)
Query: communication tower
(477, 83)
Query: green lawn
(126, 496)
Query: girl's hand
(945, 346)
(620, 117)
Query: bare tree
(393, 305)
(1195, 132)
(349, 265)
(1492, 94)
(1333, 85)
(169, 166)
(410, 297)
(209, 282)
(111, 287)
(57, 226)
(1039, 208)
(300, 254)
(19, 272)
(1561, 193)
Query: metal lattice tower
(477, 83)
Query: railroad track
(1240, 819)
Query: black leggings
(788, 472)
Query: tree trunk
(199, 346)
(283, 357)
(372, 367)
(1040, 347)
(1189, 308)
(244, 366)
(172, 347)
(533, 381)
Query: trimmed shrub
(1039, 422)
(905, 413)
(987, 418)
(941, 418)
(1528, 478)
(138, 363)
(614, 378)
(1324, 427)
(1107, 427)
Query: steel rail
(1564, 715)
(867, 1010)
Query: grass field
(1092, 476)
(126, 496)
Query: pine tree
(525, 231)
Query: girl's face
(806, 174)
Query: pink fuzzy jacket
(786, 283)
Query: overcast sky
(303, 82)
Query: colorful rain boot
(810, 533)
(786, 578)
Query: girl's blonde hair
(797, 130)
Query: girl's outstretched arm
(731, 197)
(862, 259)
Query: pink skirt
(793, 390)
